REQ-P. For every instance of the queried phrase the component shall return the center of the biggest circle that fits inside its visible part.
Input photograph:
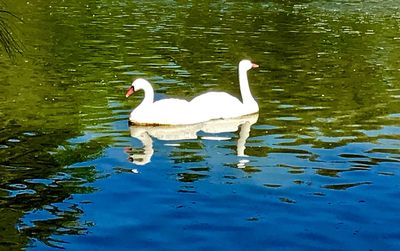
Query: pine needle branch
(7, 40)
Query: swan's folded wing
(216, 105)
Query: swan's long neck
(247, 98)
(148, 94)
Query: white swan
(208, 106)
(216, 105)
(169, 111)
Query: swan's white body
(169, 111)
(208, 106)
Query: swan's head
(247, 65)
(138, 84)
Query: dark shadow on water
(36, 188)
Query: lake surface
(317, 169)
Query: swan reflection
(145, 135)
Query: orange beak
(130, 91)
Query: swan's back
(216, 105)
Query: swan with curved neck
(208, 106)
(169, 111)
(216, 105)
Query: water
(317, 169)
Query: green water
(327, 135)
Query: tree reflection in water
(36, 192)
